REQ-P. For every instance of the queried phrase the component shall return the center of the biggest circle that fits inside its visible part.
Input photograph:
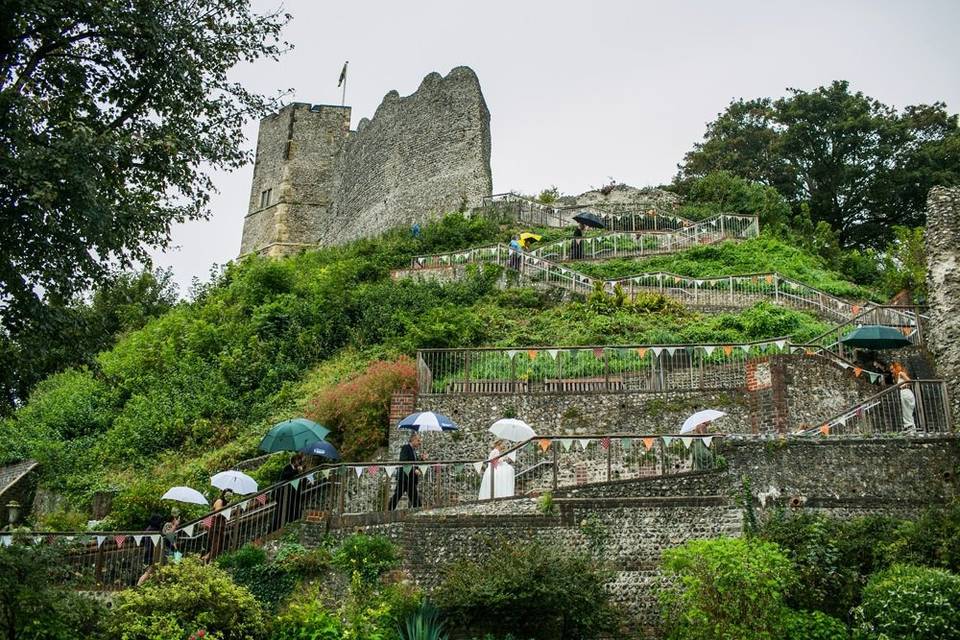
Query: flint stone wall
(943, 286)
(639, 519)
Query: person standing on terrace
(407, 481)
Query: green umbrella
(875, 336)
(293, 435)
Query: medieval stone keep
(943, 284)
(317, 183)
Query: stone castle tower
(317, 183)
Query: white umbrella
(512, 430)
(699, 418)
(236, 481)
(185, 494)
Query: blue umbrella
(589, 219)
(321, 448)
(427, 421)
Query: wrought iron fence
(118, 559)
(918, 407)
(631, 217)
(908, 320)
(585, 369)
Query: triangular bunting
(656, 350)
(781, 344)
(532, 354)
(423, 469)
(642, 352)
(544, 444)
(825, 430)
(226, 513)
(745, 348)
(512, 353)
(295, 483)
(687, 441)
(706, 440)
(311, 477)
(207, 522)
(605, 443)
(137, 540)
(119, 539)
(667, 440)
(457, 468)
(155, 539)
(390, 469)
(857, 371)
(584, 443)
(874, 377)
(373, 469)
(769, 279)
(100, 540)
(553, 353)
(672, 350)
(567, 443)
(648, 443)
(6, 541)
(598, 353)
(326, 473)
(709, 349)
(727, 349)
(358, 471)
(478, 467)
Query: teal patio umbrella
(293, 435)
(875, 336)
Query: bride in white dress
(502, 471)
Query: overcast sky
(583, 91)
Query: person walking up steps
(407, 481)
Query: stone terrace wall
(563, 414)
(943, 285)
(422, 155)
(642, 518)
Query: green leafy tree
(724, 192)
(910, 603)
(904, 264)
(81, 329)
(862, 166)
(111, 116)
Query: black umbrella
(589, 219)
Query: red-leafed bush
(357, 410)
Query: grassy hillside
(192, 391)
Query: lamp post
(13, 512)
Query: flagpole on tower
(343, 82)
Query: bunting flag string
(567, 443)
(553, 353)
(373, 469)
(262, 499)
(667, 440)
(311, 477)
(358, 471)
(325, 473)
(687, 441)
(423, 469)
(207, 522)
(295, 483)
(188, 530)
(390, 469)
(155, 539)
(407, 468)
(478, 467)
(626, 443)
(544, 444)
(226, 513)
(706, 440)
(119, 539)
(100, 540)
(605, 442)
(532, 354)
(584, 443)
(457, 468)
(825, 430)
(648, 443)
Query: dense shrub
(726, 588)
(532, 590)
(367, 557)
(813, 625)
(307, 621)
(36, 604)
(910, 603)
(932, 539)
(357, 409)
(182, 598)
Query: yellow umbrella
(528, 238)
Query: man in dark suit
(407, 481)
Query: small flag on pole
(343, 74)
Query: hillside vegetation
(192, 391)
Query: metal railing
(918, 407)
(649, 243)
(631, 217)
(588, 369)
(724, 292)
(117, 559)
(908, 320)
